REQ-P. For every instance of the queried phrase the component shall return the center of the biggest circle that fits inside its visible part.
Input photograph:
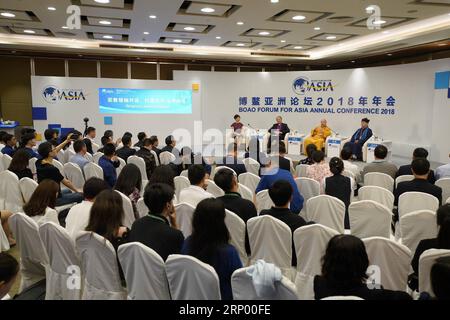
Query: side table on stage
(294, 143)
(334, 145)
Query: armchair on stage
(245, 136)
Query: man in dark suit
(278, 130)
(406, 169)
(283, 163)
(146, 154)
(420, 169)
(359, 138)
(126, 151)
(89, 139)
(141, 136)
(232, 161)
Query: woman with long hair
(19, 164)
(129, 183)
(41, 206)
(209, 243)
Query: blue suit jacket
(366, 135)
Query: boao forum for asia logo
(53, 94)
(303, 85)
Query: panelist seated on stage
(359, 138)
(279, 128)
(319, 135)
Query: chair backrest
(180, 184)
(6, 159)
(308, 188)
(445, 186)
(377, 194)
(348, 173)
(369, 219)
(100, 268)
(32, 165)
(184, 173)
(214, 189)
(27, 187)
(129, 217)
(68, 154)
(191, 279)
(95, 147)
(407, 177)
(326, 210)
(97, 156)
(156, 157)
(271, 240)
(413, 201)
(426, 262)
(93, 170)
(4, 243)
(249, 180)
(251, 165)
(244, 289)
(140, 163)
(62, 256)
(10, 195)
(166, 157)
(122, 164)
(448, 200)
(144, 272)
(59, 166)
(89, 157)
(61, 156)
(300, 170)
(263, 201)
(416, 226)
(33, 258)
(379, 179)
(74, 174)
(184, 218)
(236, 227)
(142, 208)
(245, 192)
(392, 259)
(1, 162)
(217, 169)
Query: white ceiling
(217, 34)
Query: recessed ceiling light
(353, 61)
(442, 44)
(317, 28)
(105, 22)
(385, 32)
(177, 40)
(108, 37)
(208, 10)
(369, 8)
(298, 18)
(51, 8)
(102, 1)
(240, 45)
(298, 47)
(146, 33)
(330, 37)
(328, 66)
(29, 31)
(274, 1)
(65, 27)
(152, 17)
(7, 14)
(389, 54)
(378, 22)
(189, 29)
(218, 37)
(283, 41)
(264, 33)
(240, 23)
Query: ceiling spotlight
(389, 54)
(152, 17)
(177, 40)
(108, 37)
(105, 22)
(29, 31)
(274, 1)
(298, 47)
(379, 22)
(240, 23)
(208, 10)
(353, 61)
(189, 29)
(102, 1)
(264, 33)
(370, 8)
(7, 14)
(283, 41)
(330, 37)
(51, 8)
(146, 33)
(240, 45)
(317, 28)
(298, 18)
(218, 37)
(442, 44)
(65, 27)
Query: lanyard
(157, 218)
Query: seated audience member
(380, 164)
(28, 142)
(339, 186)
(232, 161)
(420, 168)
(442, 241)
(272, 174)
(310, 149)
(91, 133)
(163, 174)
(196, 192)
(209, 243)
(78, 217)
(9, 144)
(51, 135)
(104, 141)
(344, 268)
(80, 152)
(281, 194)
(440, 278)
(170, 146)
(41, 206)
(126, 151)
(319, 170)
(284, 163)
(146, 154)
(407, 170)
(109, 164)
(9, 269)
(155, 143)
(109, 134)
(4, 217)
(129, 183)
(154, 230)
(443, 171)
(19, 164)
(346, 155)
(141, 137)
(245, 209)
(46, 170)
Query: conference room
(225, 150)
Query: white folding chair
(251, 165)
(33, 258)
(32, 165)
(413, 201)
(95, 147)
(180, 184)
(144, 272)
(140, 163)
(61, 156)
(377, 194)
(448, 200)
(445, 186)
(59, 166)
(142, 208)
(99, 267)
(128, 218)
(417, 226)
(369, 219)
(74, 174)
(6, 161)
(249, 180)
(122, 164)
(407, 177)
(4, 242)
(245, 192)
(326, 210)
(191, 279)
(27, 187)
(68, 154)
(390, 261)
(184, 173)
(156, 157)
(310, 244)
(97, 156)
(263, 201)
(89, 157)
(214, 189)
(308, 188)
(426, 262)
(236, 228)
(271, 240)
(1, 162)
(93, 170)
(10, 195)
(184, 218)
(300, 170)
(244, 289)
(62, 257)
(380, 180)
(166, 157)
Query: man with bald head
(278, 130)
(318, 135)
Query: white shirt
(353, 168)
(443, 172)
(193, 195)
(78, 218)
(50, 215)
